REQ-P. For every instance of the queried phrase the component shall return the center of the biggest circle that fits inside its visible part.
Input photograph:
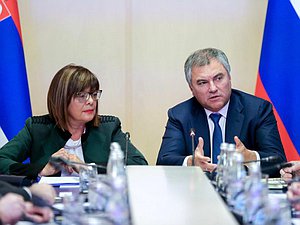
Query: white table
(174, 195)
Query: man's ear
(191, 88)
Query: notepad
(60, 181)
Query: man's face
(211, 85)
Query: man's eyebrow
(219, 74)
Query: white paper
(57, 181)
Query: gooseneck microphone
(192, 134)
(57, 161)
(278, 166)
(269, 159)
(127, 139)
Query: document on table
(60, 181)
(276, 183)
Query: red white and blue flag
(14, 93)
(279, 70)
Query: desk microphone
(269, 159)
(192, 134)
(58, 161)
(127, 139)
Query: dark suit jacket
(8, 188)
(40, 138)
(248, 117)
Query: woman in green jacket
(72, 130)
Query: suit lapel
(50, 146)
(199, 122)
(235, 118)
(95, 148)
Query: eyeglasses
(82, 97)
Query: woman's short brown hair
(65, 84)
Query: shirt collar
(222, 111)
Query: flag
(14, 93)
(278, 77)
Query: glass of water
(86, 173)
(100, 192)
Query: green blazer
(40, 138)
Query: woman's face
(82, 107)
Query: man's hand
(44, 191)
(200, 159)
(293, 195)
(289, 172)
(37, 214)
(12, 207)
(240, 147)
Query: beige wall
(138, 48)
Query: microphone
(192, 134)
(269, 159)
(127, 139)
(285, 165)
(58, 161)
(278, 166)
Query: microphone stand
(192, 134)
(127, 137)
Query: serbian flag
(279, 71)
(14, 93)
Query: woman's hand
(74, 158)
(49, 169)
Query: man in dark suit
(27, 203)
(243, 119)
